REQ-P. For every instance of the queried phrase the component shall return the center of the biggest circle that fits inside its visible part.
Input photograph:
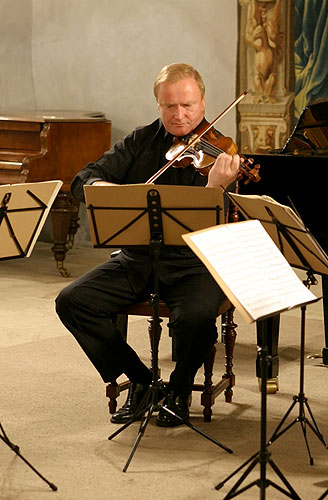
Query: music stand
(257, 292)
(140, 215)
(23, 212)
(301, 250)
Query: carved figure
(263, 35)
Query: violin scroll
(248, 169)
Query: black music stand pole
(149, 404)
(263, 456)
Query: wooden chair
(209, 391)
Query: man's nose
(179, 112)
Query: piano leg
(324, 354)
(74, 225)
(62, 211)
(270, 327)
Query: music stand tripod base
(15, 448)
(300, 397)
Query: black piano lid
(296, 174)
(310, 135)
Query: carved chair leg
(207, 398)
(112, 392)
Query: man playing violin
(85, 306)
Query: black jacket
(133, 160)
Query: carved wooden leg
(113, 390)
(229, 338)
(207, 398)
(209, 390)
(61, 215)
(74, 224)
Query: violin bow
(196, 139)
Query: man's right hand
(224, 171)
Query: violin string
(210, 148)
(213, 150)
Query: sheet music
(250, 269)
(271, 213)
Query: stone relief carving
(263, 138)
(265, 68)
(264, 133)
(263, 35)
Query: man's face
(181, 106)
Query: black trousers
(85, 307)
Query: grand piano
(296, 176)
(39, 146)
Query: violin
(203, 152)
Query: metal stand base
(263, 456)
(147, 407)
(15, 448)
(302, 401)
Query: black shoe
(129, 409)
(179, 405)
